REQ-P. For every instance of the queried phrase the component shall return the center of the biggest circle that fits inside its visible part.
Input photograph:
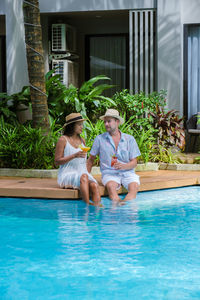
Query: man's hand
(128, 166)
(119, 166)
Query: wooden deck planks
(47, 188)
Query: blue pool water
(148, 249)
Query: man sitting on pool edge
(118, 154)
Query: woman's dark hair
(69, 129)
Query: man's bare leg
(112, 191)
(132, 191)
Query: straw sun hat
(113, 113)
(73, 117)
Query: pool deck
(47, 188)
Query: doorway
(108, 55)
(191, 70)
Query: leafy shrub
(165, 155)
(170, 128)
(88, 99)
(146, 142)
(24, 147)
(91, 130)
(9, 105)
(138, 106)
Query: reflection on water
(148, 248)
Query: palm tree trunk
(35, 61)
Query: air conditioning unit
(63, 37)
(68, 71)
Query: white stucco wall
(2, 7)
(17, 74)
(92, 5)
(190, 11)
(169, 52)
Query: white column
(17, 74)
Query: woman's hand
(80, 154)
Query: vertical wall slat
(136, 58)
(140, 42)
(154, 50)
(131, 55)
(143, 50)
(146, 33)
(151, 53)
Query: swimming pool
(148, 249)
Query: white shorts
(121, 179)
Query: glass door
(107, 55)
(193, 70)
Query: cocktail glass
(113, 160)
(84, 148)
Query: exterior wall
(190, 12)
(169, 52)
(93, 5)
(172, 14)
(2, 7)
(17, 74)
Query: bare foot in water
(118, 203)
(96, 204)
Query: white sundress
(70, 173)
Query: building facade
(142, 45)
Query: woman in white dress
(73, 172)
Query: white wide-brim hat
(113, 113)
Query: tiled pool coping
(28, 173)
(47, 187)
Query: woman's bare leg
(84, 188)
(94, 189)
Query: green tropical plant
(91, 130)
(24, 147)
(145, 138)
(88, 99)
(138, 106)
(170, 128)
(146, 142)
(165, 155)
(10, 104)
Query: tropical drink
(113, 160)
(84, 148)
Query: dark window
(191, 69)
(108, 55)
(2, 64)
